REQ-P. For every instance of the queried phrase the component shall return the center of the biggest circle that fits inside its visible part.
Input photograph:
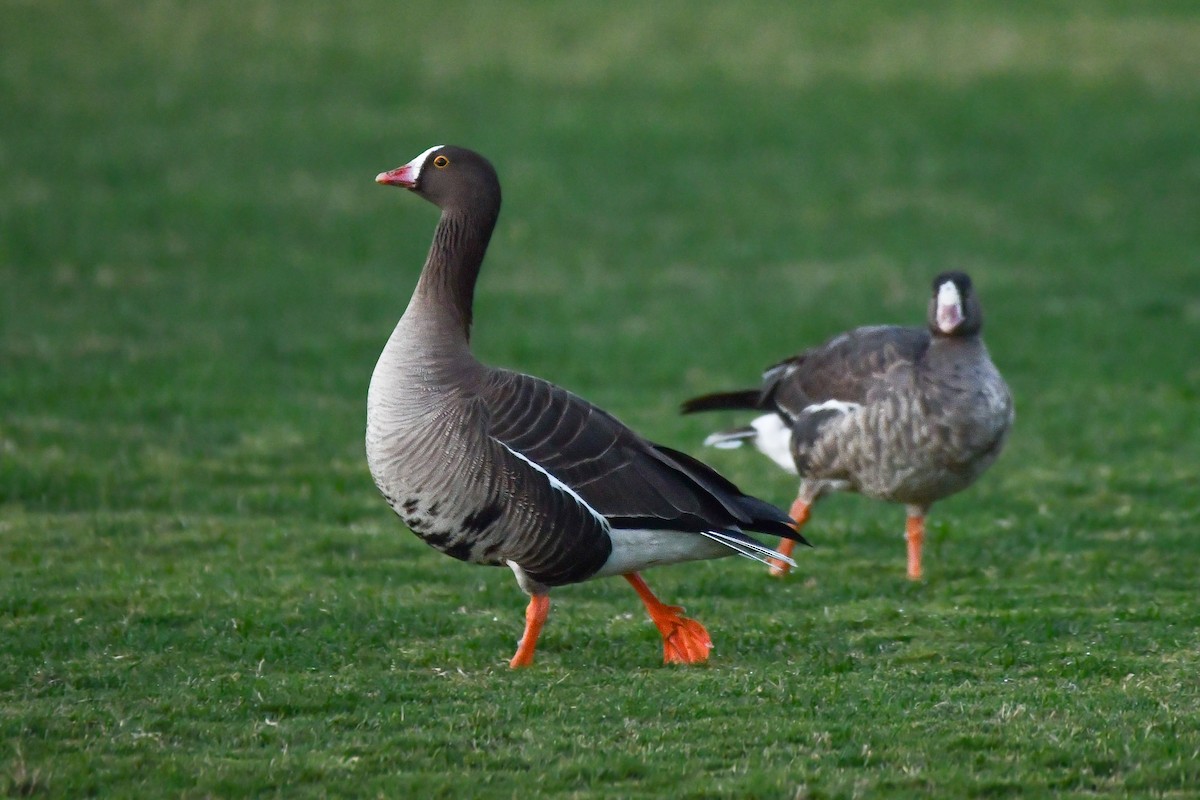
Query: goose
(902, 414)
(499, 468)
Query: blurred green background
(203, 594)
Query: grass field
(201, 593)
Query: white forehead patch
(948, 295)
(418, 163)
(949, 308)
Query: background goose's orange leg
(914, 533)
(799, 512)
(685, 641)
(535, 617)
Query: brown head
(954, 309)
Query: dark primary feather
(626, 479)
(762, 513)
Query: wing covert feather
(843, 368)
(622, 476)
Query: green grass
(201, 593)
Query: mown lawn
(202, 595)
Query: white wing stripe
(834, 405)
(557, 484)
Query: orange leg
(684, 640)
(799, 512)
(914, 532)
(535, 617)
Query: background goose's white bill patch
(557, 484)
(949, 307)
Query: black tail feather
(718, 401)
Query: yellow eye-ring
(440, 161)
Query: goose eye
(440, 161)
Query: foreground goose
(908, 415)
(494, 467)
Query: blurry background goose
(907, 415)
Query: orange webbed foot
(685, 641)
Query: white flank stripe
(834, 405)
(753, 551)
(557, 484)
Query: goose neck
(446, 287)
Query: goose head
(954, 309)
(452, 178)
